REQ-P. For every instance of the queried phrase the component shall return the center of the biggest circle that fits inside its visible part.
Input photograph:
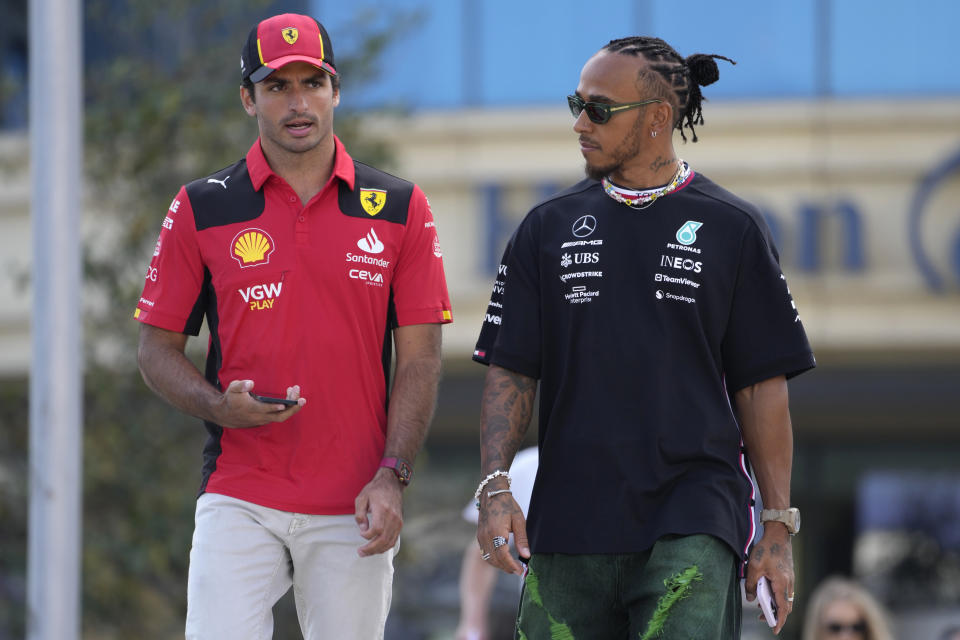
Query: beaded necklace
(643, 199)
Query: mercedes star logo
(584, 226)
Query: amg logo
(261, 296)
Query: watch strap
(402, 468)
(790, 518)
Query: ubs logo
(584, 226)
(934, 230)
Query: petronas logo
(687, 234)
(251, 247)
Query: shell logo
(252, 247)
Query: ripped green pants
(683, 588)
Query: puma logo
(222, 183)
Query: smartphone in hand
(766, 601)
(269, 400)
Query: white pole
(53, 552)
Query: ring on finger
(485, 556)
(499, 541)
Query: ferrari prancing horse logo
(290, 34)
(372, 200)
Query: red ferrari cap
(282, 39)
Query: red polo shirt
(303, 295)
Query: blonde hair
(837, 588)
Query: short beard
(628, 149)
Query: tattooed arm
(504, 418)
(768, 436)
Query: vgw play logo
(935, 226)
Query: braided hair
(672, 77)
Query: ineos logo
(584, 226)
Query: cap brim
(273, 65)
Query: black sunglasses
(600, 112)
(856, 627)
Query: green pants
(683, 588)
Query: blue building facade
(499, 53)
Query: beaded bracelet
(483, 483)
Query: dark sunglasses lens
(575, 104)
(598, 113)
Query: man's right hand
(501, 516)
(237, 409)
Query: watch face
(404, 472)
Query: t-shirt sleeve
(493, 317)
(173, 295)
(764, 337)
(518, 340)
(419, 284)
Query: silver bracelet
(490, 494)
(483, 483)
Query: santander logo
(371, 243)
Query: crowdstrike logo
(370, 243)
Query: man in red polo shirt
(308, 266)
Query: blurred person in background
(950, 633)
(477, 577)
(841, 609)
(306, 265)
(649, 305)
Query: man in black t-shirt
(649, 304)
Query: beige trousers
(245, 557)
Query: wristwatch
(401, 467)
(789, 517)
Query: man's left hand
(379, 512)
(772, 557)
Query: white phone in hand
(766, 601)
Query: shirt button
(301, 219)
(293, 198)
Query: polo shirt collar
(260, 170)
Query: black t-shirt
(640, 326)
